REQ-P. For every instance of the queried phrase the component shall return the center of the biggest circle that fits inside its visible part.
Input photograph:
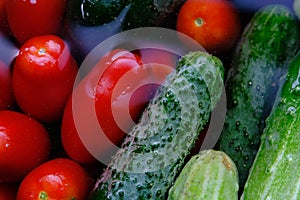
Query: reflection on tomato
(24, 144)
(30, 18)
(214, 24)
(59, 179)
(43, 77)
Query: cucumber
(210, 175)
(154, 151)
(261, 57)
(146, 13)
(275, 172)
(97, 12)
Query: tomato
(71, 141)
(30, 18)
(24, 144)
(215, 24)
(3, 21)
(8, 191)
(43, 77)
(59, 178)
(98, 88)
(6, 93)
(105, 102)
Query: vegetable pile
(85, 118)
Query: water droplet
(289, 157)
(250, 83)
(291, 110)
(257, 87)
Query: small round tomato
(30, 18)
(116, 64)
(59, 178)
(215, 24)
(8, 191)
(43, 77)
(24, 144)
(6, 92)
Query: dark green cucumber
(145, 13)
(96, 12)
(155, 150)
(210, 175)
(275, 173)
(268, 43)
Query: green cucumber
(155, 150)
(210, 175)
(95, 12)
(145, 13)
(275, 172)
(267, 44)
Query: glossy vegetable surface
(154, 151)
(43, 77)
(274, 174)
(267, 45)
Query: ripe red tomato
(60, 178)
(43, 77)
(215, 24)
(8, 191)
(116, 64)
(3, 21)
(24, 144)
(29, 18)
(6, 92)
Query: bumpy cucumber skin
(209, 175)
(150, 12)
(155, 150)
(275, 172)
(268, 43)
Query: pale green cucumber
(209, 175)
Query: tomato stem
(43, 195)
(199, 21)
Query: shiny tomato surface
(24, 144)
(57, 179)
(29, 18)
(215, 24)
(43, 77)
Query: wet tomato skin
(30, 18)
(59, 178)
(214, 24)
(43, 77)
(24, 144)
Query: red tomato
(116, 64)
(24, 144)
(29, 18)
(3, 21)
(71, 141)
(59, 179)
(8, 191)
(215, 24)
(6, 93)
(43, 77)
(105, 102)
